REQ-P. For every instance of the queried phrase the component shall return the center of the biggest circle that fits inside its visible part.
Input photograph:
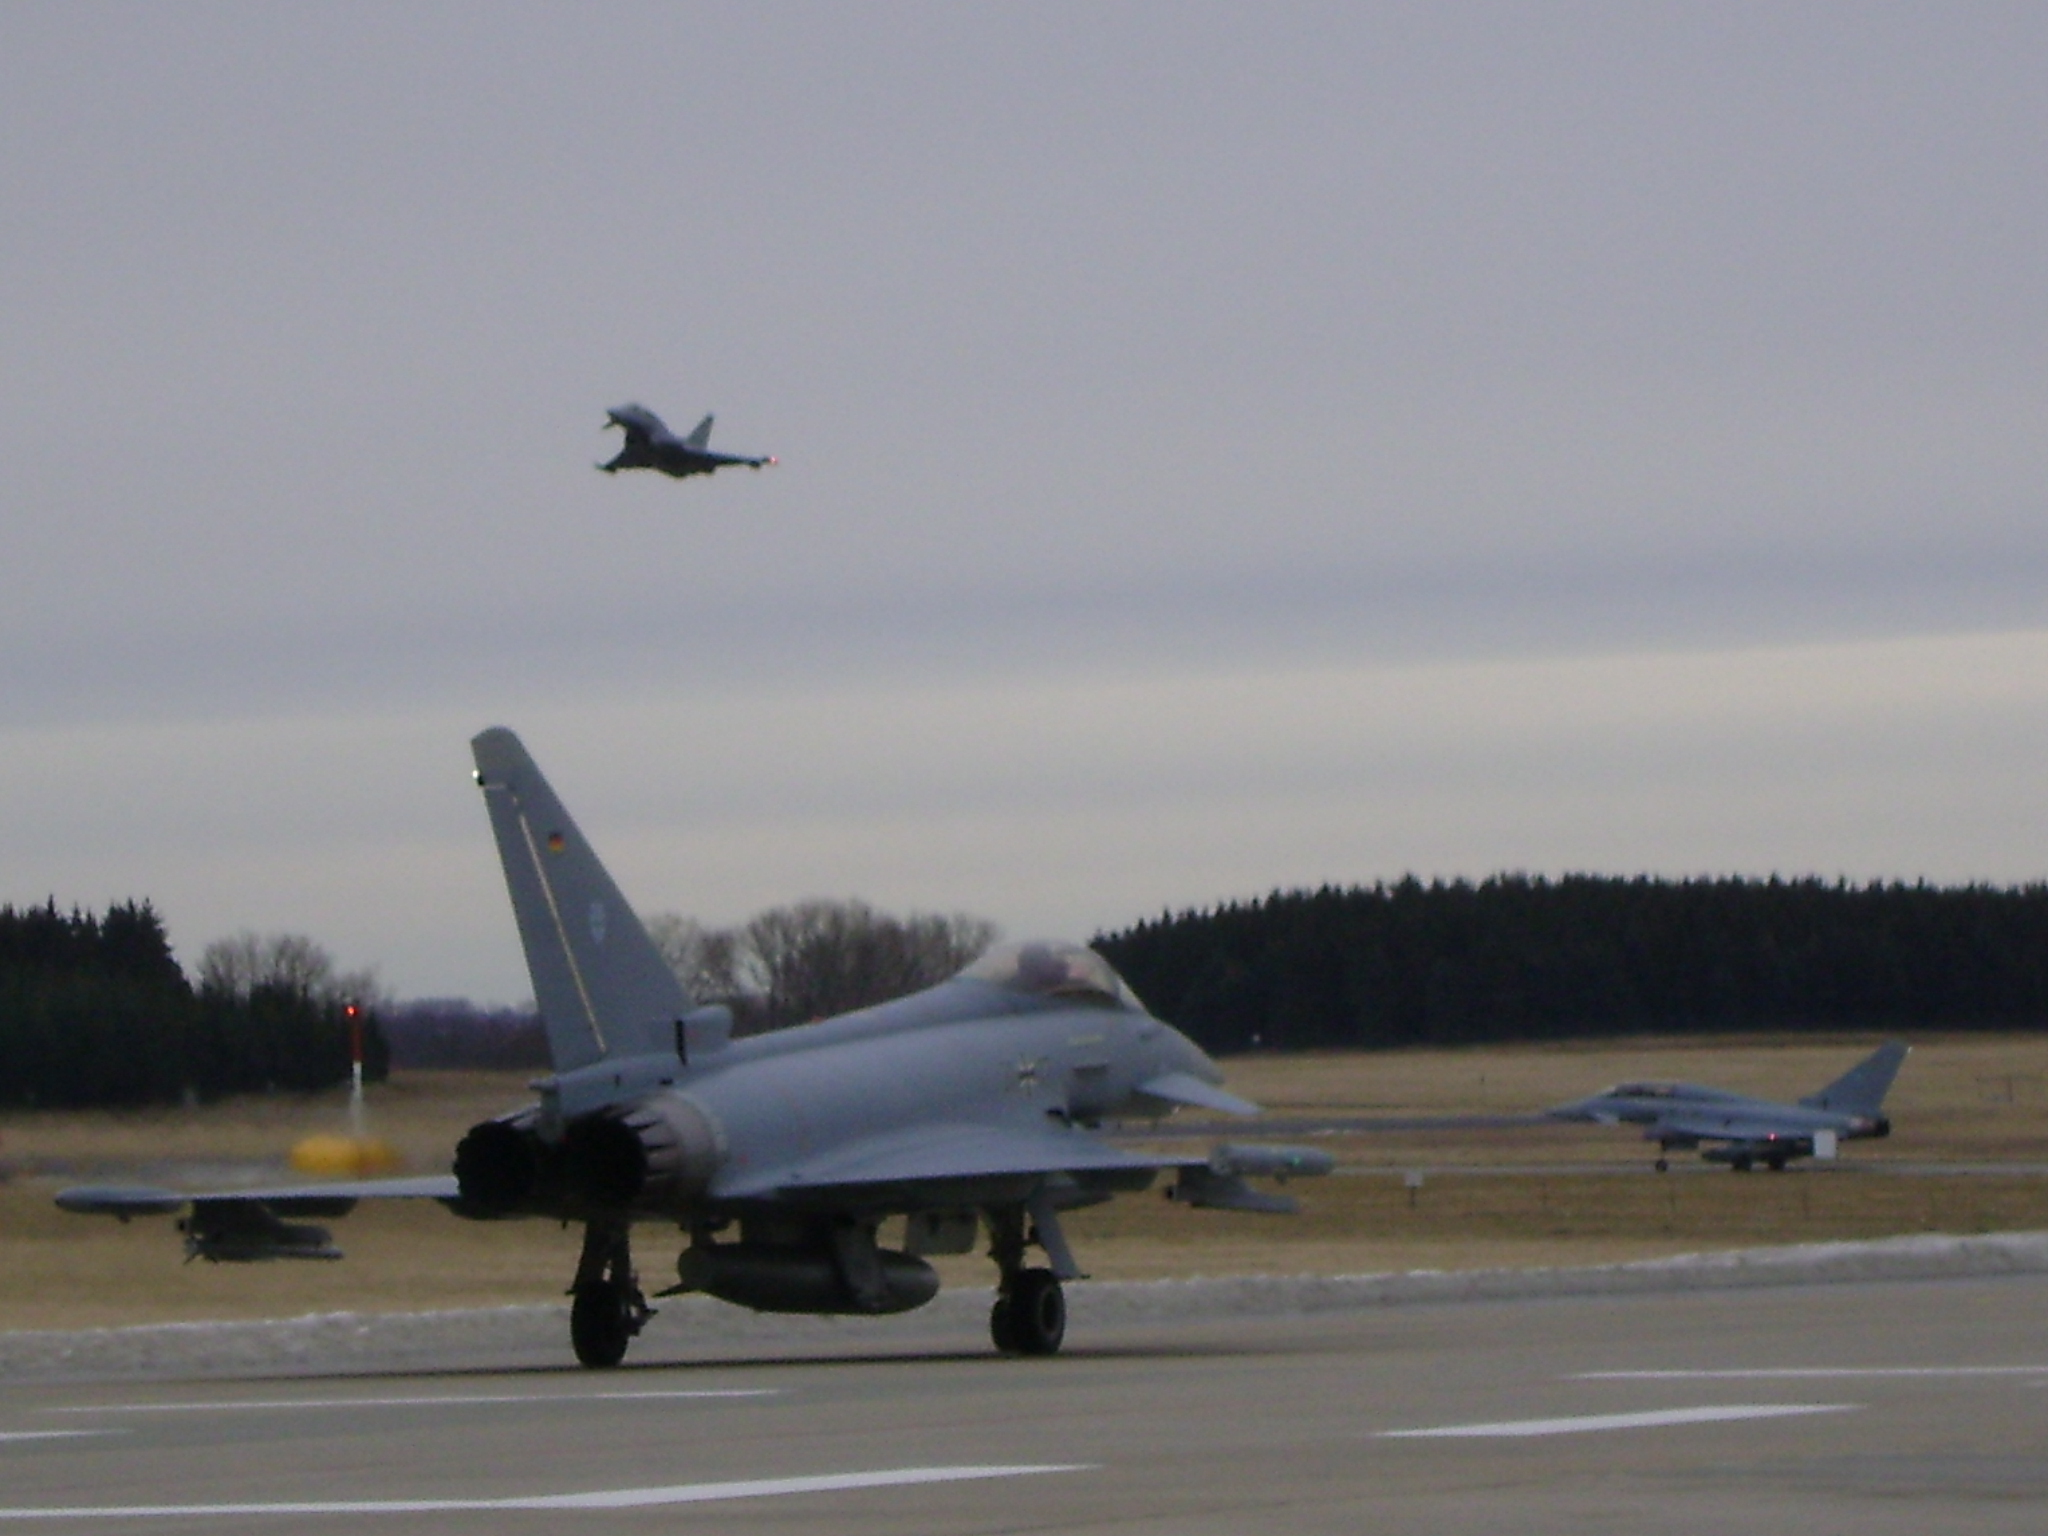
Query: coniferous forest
(95, 1011)
(1521, 958)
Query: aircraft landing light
(1596, 1422)
(613, 1498)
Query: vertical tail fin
(602, 987)
(1861, 1089)
(700, 436)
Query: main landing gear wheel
(608, 1309)
(1663, 1165)
(601, 1324)
(1030, 1314)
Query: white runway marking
(1815, 1373)
(616, 1498)
(53, 1434)
(1596, 1422)
(266, 1405)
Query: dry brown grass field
(1486, 1198)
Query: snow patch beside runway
(690, 1326)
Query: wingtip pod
(123, 1201)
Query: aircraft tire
(1038, 1312)
(1002, 1325)
(599, 1325)
(1663, 1165)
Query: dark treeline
(96, 1011)
(453, 1032)
(1518, 958)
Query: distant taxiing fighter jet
(969, 1108)
(650, 445)
(1750, 1130)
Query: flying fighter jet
(650, 445)
(969, 1107)
(1750, 1130)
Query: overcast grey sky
(1224, 447)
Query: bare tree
(289, 962)
(706, 961)
(816, 958)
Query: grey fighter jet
(965, 1109)
(650, 445)
(1750, 1131)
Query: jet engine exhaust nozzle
(661, 1151)
(499, 1165)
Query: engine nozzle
(660, 1152)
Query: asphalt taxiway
(1868, 1407)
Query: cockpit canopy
(1042, 968)
(1643, 1091)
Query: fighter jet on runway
(970, 1107)
(1751, 1130)
(650, 445)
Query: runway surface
(1863, 1407)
